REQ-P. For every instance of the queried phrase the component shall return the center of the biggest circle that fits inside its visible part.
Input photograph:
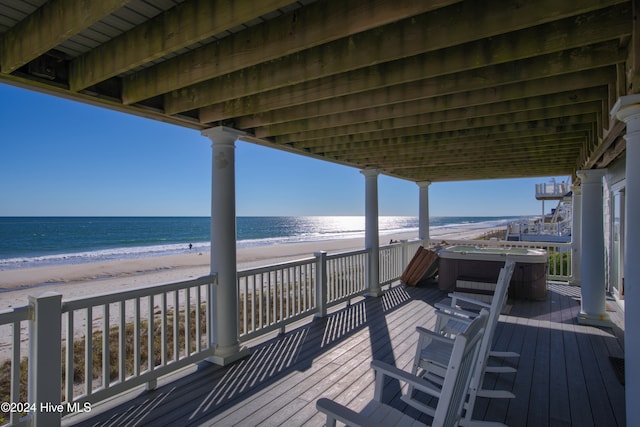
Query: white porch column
(593, 288)
(371, 234)
(627, 109)
(423, 212)
(576, 235)
(223, 334)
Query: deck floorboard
(564, 376)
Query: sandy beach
(78, 280)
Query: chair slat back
(497, 303)
(459, 372)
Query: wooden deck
(565, 376)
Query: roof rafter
(388, 84)
(430, 32)
(163, 35)
(48, 26)
(318, 23)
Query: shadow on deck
(564, 376)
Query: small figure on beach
(190, 246)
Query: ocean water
(36, 241)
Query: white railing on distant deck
(537, 227)
(552, 189)
(560, 254)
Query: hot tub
(482, 264)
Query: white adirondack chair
(452, 320)
(434, 350)
(451, 396)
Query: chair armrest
(432, 335)
(336, 411)
(470, 315)
(413, 380)
(470, 300)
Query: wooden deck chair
(452, 319)
(451, 396)
(434, 350)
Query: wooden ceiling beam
(393, 84)
(301, 29)
(564, 114)
(509, 130)
(574, 85)
(444, 173)
(447, 123)
(452, 49)
(50, 25)
(163, 35)
(461, 156)
(422, 107)
(454, 145)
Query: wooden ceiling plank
(417, 159)
(452, 155)
(423, 106)
(470, 143)
(393, 78)
(430, 32)
(301, 29)
(445, 174)
(356, 122)
(430, 119)
(164, 34)
(509, 130)
(517, 132)
(50, 25)
(575, 85)
(523, 143)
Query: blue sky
(59, 158)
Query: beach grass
(500, 234)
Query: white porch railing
(111, 343)
(14, 319)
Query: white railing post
(405, 254)
(45, 358)
(321, 283)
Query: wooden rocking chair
(451, 397)
(434, 349)
(452, 319)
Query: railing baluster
(69, 358)
(15, 369)
(136, 339)
(88, 353)
(106, 359)
(176, 326)
(187, 322)
(259, 290)
(198, 337)
(150, 332)
(163, 330)
(122, 353)
(254, 304)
